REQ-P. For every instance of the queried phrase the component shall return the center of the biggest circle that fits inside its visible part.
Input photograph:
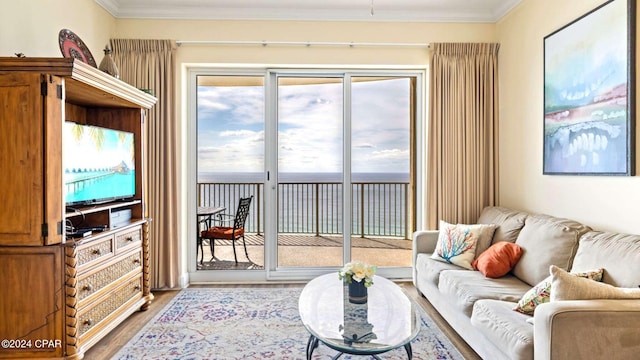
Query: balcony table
(205, 215)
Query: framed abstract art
(589, 93)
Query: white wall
(31, 27)
(607, 203)
(303, 31)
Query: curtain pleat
(463, 132)
(150, 65)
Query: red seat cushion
(221, 232)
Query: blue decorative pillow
(457, 243)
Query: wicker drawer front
(99, 249)
(129, 237)
(91, 318)
(93, 283)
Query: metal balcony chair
(234, 231)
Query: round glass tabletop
(387, 321)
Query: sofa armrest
(424, 241)
(587, 329)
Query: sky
(96, 148)
(587, 58)
(231, 125)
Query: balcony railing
(379, 208)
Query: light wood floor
(114, 341)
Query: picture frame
(589, 93)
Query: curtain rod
(296, 43)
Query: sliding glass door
(309, 145)
(230, 166)
(341, 152)
(382, 111)
(328, 157)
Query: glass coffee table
(387, 321)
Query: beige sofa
(481, 311)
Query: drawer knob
(88, 322)
(136, 261)
(129, 238)
(97, 252)
(88, 287)
(137, 288)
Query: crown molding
(504, 8)
(112, 6)
(173, 10)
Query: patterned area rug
(256, 323)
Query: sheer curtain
(463, 132)
(150, 64)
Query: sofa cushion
(567, 287)
(498, 259)
(541, 293)
(546, 241)
(457, 243)
(464, 287)
(618, 254)
(430, 269)
(509, 222)
(504, 327)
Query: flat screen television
(99, 164)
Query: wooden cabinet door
(25, 217)
(32, 306)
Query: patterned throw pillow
(541, 293)
(457, 243)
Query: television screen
(98, 164)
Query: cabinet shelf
(109, 215)
(88, 209)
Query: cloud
(241, 104)
(206, 105)
(310, 127)
(390, 154)
(244, 133)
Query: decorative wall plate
(72, 46)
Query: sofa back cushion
(509, 222)
(546, 241)
(618, 254)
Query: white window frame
(189, 147)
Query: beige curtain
(150, 64)
(463, 132)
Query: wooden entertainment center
(61, 295)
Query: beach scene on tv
(98, 164)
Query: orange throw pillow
(498, 259)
